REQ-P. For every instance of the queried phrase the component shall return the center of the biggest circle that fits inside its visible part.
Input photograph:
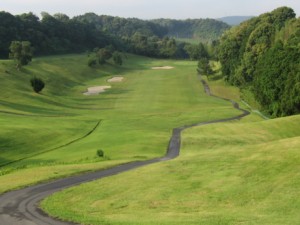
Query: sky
(150, 9)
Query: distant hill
(234, 20)
(205, 30)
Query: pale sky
(150, 9)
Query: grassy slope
(244, 172)
(137, 115)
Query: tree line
(103, 37)
(52, 34)
(263, 55)
(59, 34)
(205, 30)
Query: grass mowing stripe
(22, 114)
(53, 149)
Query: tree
(9, 25)
(262, 55)
(117, 58)
(204, 67)
(103, 54)
(168, 48)
(37, 84)
(21, 52)
(197, 52)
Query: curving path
(21, 207)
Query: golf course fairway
(241, 172)
(55, 134)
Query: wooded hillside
(206, 30)
(263, 55)
(58, 34)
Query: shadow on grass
(52, 149)
(116, 91)
(30, 110)
(215, 77)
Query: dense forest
(263, 55)
(51, 35)
(57, 34)
(122, 27)
(206, 30)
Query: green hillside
(262, 55)
(224, 171)
(231, 173)
(234, 20)
(48, 130)
(205, 30)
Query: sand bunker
(115, 79)
(96, 90)
(162, 68)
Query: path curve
(21, 207)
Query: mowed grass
(229, 173)
(43, 136)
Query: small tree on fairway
(37, 84)
(21, 52)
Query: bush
(117, 58)
(92, 62)
(100, 153)
(103, 55)
(37, 84)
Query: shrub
(117, 58)
(100, 153)
(37, 84)
(92, 62)
(103, 55)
